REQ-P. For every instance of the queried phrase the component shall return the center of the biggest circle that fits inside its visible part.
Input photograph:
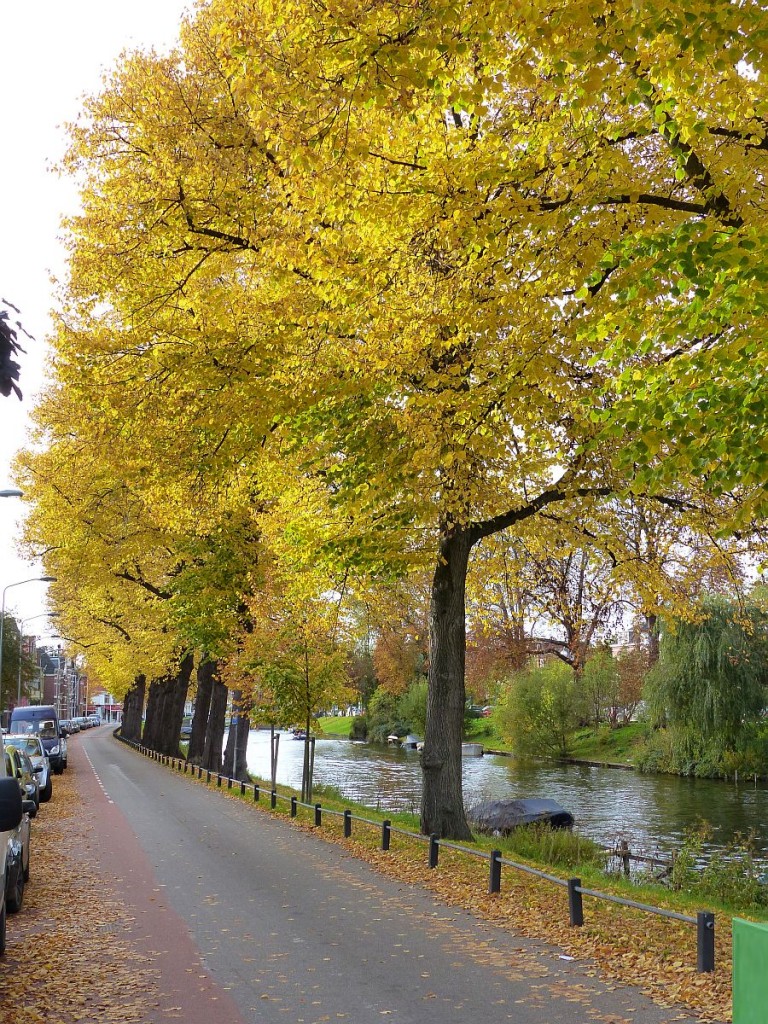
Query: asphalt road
(249, 919)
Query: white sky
(53, 51)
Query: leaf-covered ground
(69, 959)
(623, 945)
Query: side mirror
(29, 807)
(10, 804)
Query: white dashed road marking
(101, 784)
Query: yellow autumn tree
(459, 265)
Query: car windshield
(24, 725)
(29, 744)
(44, 727)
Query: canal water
(651, 812)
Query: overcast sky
(52, 53)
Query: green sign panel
(750, 972)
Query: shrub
(359, 730)
(558, 847)
(731, 875)
(539, 712)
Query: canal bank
(652, 813)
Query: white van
(10, 818)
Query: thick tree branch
(139, 581)
(486, 528)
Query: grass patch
(483, 730)
(555, 847)
(479, 730)
(615, 746)
(335, 727)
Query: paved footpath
(240, 917)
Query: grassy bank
(613, 746)
(479, 730)
(334, 727)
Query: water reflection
(650, 812)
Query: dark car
(17, 855)
(43, 721)
(11, 815)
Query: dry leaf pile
(68, 957)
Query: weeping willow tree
(709, 686)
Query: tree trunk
(235, 766)
(176, 689)
(442, 803)
(133, 705)
(151, 724)
(160, 715)
(241, 748)
(214, 735)
(206, 671)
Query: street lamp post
(32, 579)
(51, 615)
(11, 492)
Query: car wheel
(47, 791)
(2, 929)
(15, 900)
(58, 770)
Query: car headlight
(54, 750)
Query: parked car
(33, 748)
(17, 848)
(186, 727)
(11, 815)
(24, 772)
(43, 721)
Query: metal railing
(704, 919)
